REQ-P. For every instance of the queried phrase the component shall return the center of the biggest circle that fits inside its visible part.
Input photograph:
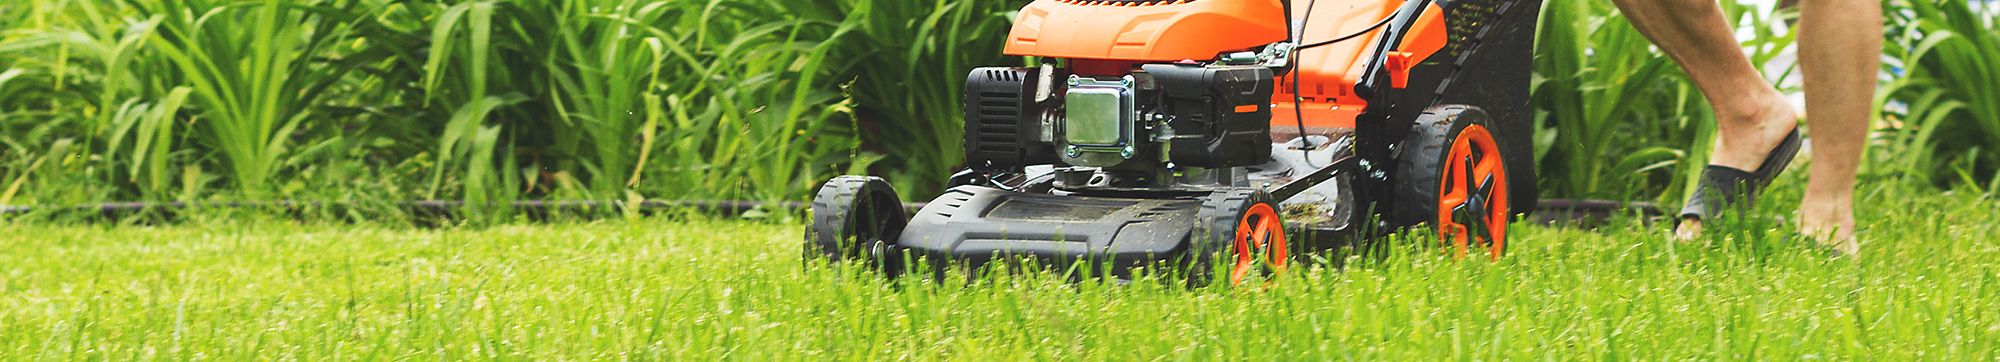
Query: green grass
(696, 290)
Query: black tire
(1222, 214)
(856, 218)
(1421, 166)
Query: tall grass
(484, 100)
(620, 98)
(256, 70)
(1948, 94)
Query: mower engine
(1164, 127)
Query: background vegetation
(373, 101)
(359, 100)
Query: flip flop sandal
(1727, 189)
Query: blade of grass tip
(647, 132)
(441, 47)
(1934, 118)
(482, 35)
(160, 125)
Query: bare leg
(1840, 49)
(1751, 115)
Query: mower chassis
(969, 227)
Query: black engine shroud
(1213, 116)
(1225, 110)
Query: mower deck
(971, 226)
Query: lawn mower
(1175, 133)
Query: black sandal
(1725, 187)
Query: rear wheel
(856, 218)
(1243, 227)
(1452, 176)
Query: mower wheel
(1243, 226)
(1452, 175)
(856, 218)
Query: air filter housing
(1003, 120)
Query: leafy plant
(256, 69)
(485, 100)
(1944, 111)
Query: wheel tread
(834, 205)
(1215, 228)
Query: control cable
(1296, 34)
(1298, 109)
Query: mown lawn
(667, 289)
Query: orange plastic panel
(1327, 74)
(1120, 34)
(1162, 31)
(1427, 36)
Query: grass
(697, 289)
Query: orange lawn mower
(1171, 133)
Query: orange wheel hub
(1472, 200)
(1259, 232)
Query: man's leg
(1840, 50)
(1751, 115)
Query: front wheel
(1243, 227)
(856, 218)
(1452, 176)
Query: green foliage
(483, 100)
(1943, 112)
(253, 70)
(496, 100)
(908, 60)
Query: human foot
(1746, 139)
(1829, 220)
(1688, 229)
